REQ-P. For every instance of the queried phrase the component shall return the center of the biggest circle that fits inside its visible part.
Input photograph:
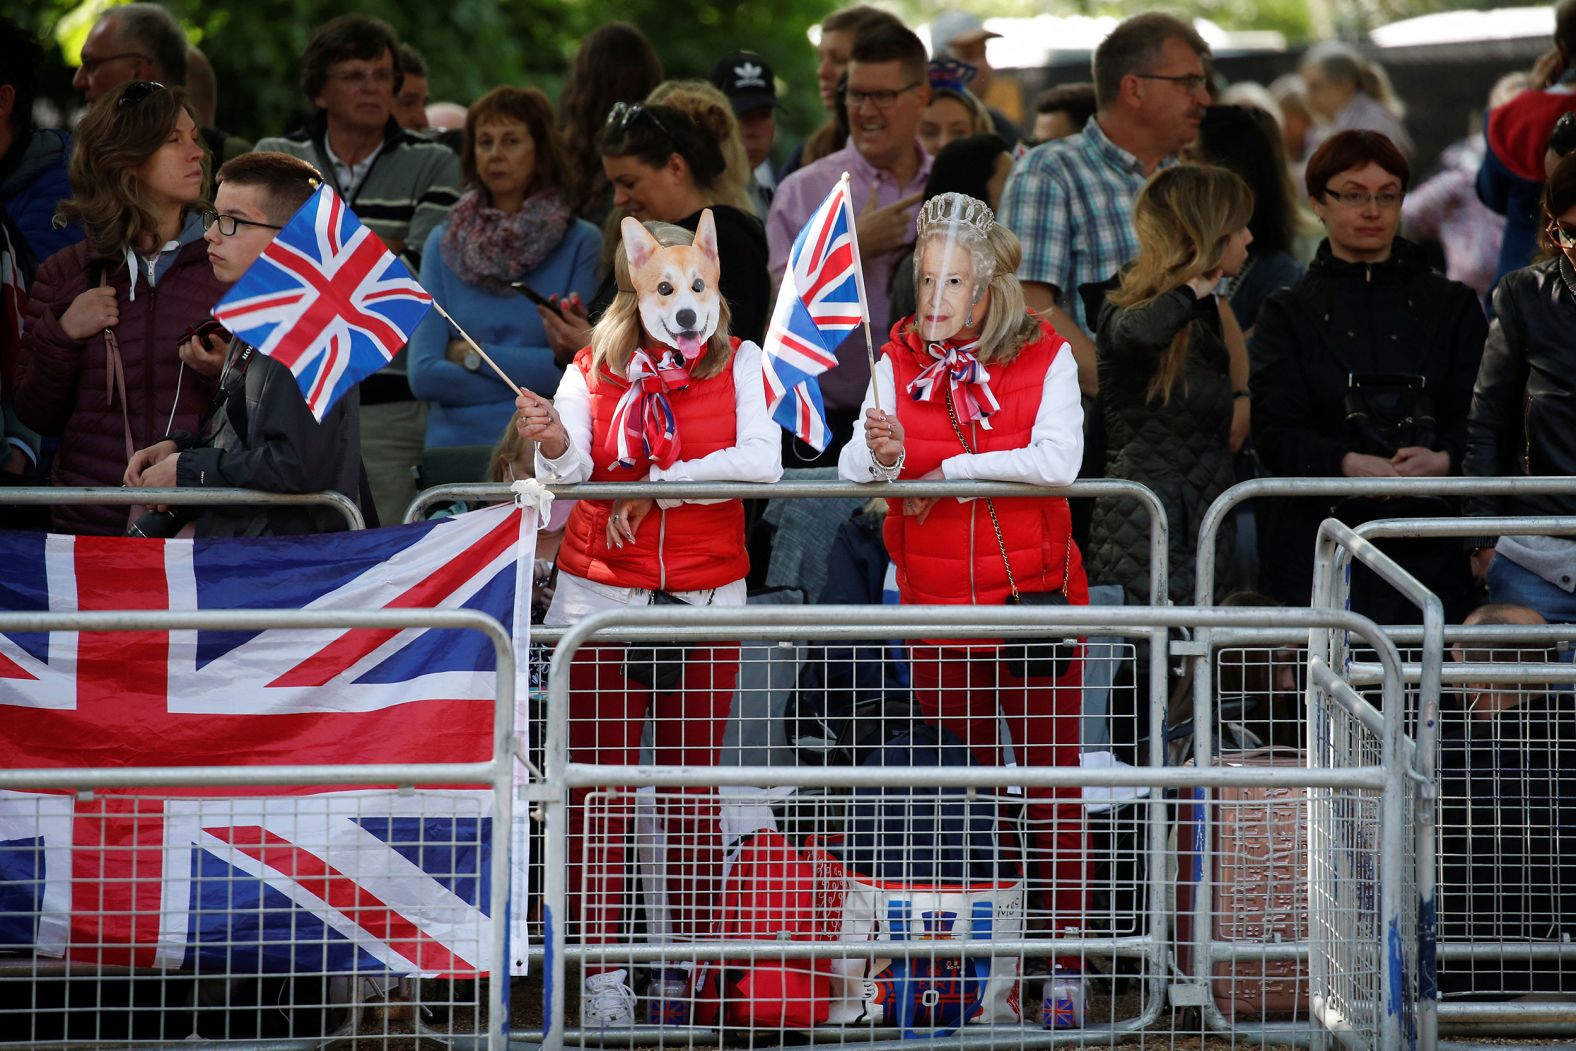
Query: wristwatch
(472, 361)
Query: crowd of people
(1164, 278)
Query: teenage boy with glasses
(260, 433)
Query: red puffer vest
(685, 548)
(953, 559)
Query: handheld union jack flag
(821, 301)
(327, 300)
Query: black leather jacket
(1523, 418)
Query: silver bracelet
(882, 473)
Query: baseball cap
(956, 27)
(747, 80)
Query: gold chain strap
(995, 523)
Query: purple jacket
(64, 386)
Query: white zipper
(662, 542)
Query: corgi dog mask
(676, 285)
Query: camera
(159, 525)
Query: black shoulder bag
(659, 667)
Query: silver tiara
(956, 208)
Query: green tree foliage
(470, 45)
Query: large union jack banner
(311, 879)
(327, 300)
(821, 300)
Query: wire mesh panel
(165, 917)
(1506, 866)
(901, 899)
(1361, 959)
(910, 913)
(1260, 699)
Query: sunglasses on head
(138, 90)
(623, 114)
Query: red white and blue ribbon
(643, 419)
(969, 380)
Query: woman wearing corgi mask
(663, 393)
(975, 386)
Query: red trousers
(607, 715)
(971, 693)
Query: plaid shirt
(1071, 204)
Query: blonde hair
(1342, 62)
(619, 331)
(1184, 217)
(511, 446)
(113, 141)
(712, 113)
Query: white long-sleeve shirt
(1052, 457)
(755, 456)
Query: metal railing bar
(121, 496)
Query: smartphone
(202, 331)
(532, 294)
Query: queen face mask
(952, 266)
(945, 288)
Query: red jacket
(685, 548)
(63, 387)
(953, 558)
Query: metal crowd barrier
(1240, 717)
(1215, 517)
(498, 773)
(1359, 913)
(1158, 561)
(1336, 545)
(1429, 677)
(122, 496)
(1430, 637)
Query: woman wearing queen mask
(662, 394)
(975, 386)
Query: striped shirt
(406, 192)
(1070, 202)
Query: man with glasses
(260, 434)
(400, 185)
(143, 42)
(1071, 201)
(888, 89)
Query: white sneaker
(607, 1001)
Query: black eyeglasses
(1562, 235)
(91, 65)
(623, 114)
(879, 99)
(138, 90)
(229, 223)
(1190, 82)
(1386, 199)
